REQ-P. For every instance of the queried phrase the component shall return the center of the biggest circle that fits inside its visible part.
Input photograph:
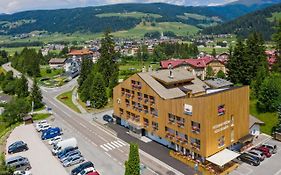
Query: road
(101, 146)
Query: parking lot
(268, 166)
(39, 156)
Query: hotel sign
(222, 126)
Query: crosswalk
(112, 145)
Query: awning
(223, 157)
(246, 138)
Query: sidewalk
(154, 149)
(74, 100)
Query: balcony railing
(136, 86)
(155, 127)
(195, 146)
(180, 123)
(154, 113)
(145, 124)
(171, 121)
(145, 100)
(145, 111)
(139, 98)
(170, 135)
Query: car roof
(14, 158)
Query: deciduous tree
(132, 166)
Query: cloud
(11, 6)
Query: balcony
(145, 124)
(152, 101)
(154, 113)
(170, 135)
(195, 129)
(171, 121)
(145, 100)
(136, 86)
(154, 127)
(122, 93)
(195, 146)
(139, 98)
(145, 111)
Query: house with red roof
(197, 66)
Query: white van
(72, 142)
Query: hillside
(119, 17)
(261, 21)
(252, 2)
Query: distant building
(56, 63)
(197, 66)
(254, 125)
(83, 53)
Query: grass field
(66, 98)
(210, 49)
(179, 29)
(130, 14)
(12, 50)
(270, 119)
(54, 72)
(40, 116)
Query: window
(155, 125)
(154, 112)
(152, 100)
(121, 111)
(221, 110)
(139, 96)
(221, 141)
(195, 143)
(171, 118)
(127, 103)
(145, 109)
(180, 121)
(195, 127)
(232, 135)
(145, 96)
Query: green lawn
(210, 49)
(12, 50)
(130, 14)
(40, 116)
(270, 119)
(54, 72)
(276, 15)
(179, 29)
(66, 98)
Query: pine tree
(221, 74)
(262, 73)
(22, 87)
(86, 68)
(209, 72)
(107, 58)
(277, 39)
(85, 93)
(234, 64)
(214, 53)
(36, 95)
(132, 166)
(98, 92)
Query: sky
(12, 6)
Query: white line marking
(107, 147)
(119, 141)
(108, 154)
(117, 146)
(103, 147)
(102, 138)
(108, 144)
(121, 150)
(83, 125)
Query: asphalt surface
(39, 156)
(98, 143)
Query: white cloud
(11, 6)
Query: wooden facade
(218, 120)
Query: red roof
(93, 173)
(80, 52)
(197, 63)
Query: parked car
(65, 151)
(264, 150)
(22, 173)
(70, 154)
(55, 140)
(272, 148)
(71, 142)
(81, 167)
(258, 154)
(17, 147)
(51, 133)
(19, 163)
(254, 161)
(73, 160)
(93, 173)
(107, 118)
(43, 127)
(87, 171)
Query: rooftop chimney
(150, 68)
(171, 74)
(143, 69)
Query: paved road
(101, 145)
(38, 154)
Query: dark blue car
(17, 147)
(51, 133)
(65, 151)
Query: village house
(56, 63)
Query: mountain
(254, 2)
(118, 17)
(261, 21)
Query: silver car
(19, 163)
(70, 154)
(73, 160)
(257, 154)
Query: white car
(87, 170)
(43, 127)
(22, 173)
(55, 140)
(40, 123)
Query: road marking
(115, 144)
(118, 143)
(108, 154)
(102, 138)
(108, 144)
(121, 150)
(107, 147)
(83, 125)
(103, 147)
